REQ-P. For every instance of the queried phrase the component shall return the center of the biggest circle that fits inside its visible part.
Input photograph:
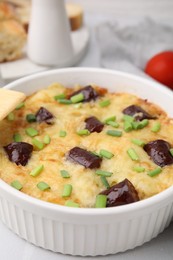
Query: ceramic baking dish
(79, 231)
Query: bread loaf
(12, 40)
(75, 15)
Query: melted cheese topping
(70, 118)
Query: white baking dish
(80, 231)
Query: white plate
(24, 66)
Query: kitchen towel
(128, 48)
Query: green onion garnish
(17, 185)
(37, 144)
(30, 118)
(106, 154)
(20, 106)
(138, 142)
(111, 118)
(35, 172)
(113, 124)
(132, 154)
(101, 201)
(171, 151)
(65, 174)
(65, 101)
(105, 103)
(17, 137)
(62, 133)
(47, 139)
(77, 98)
(60, 96)
(127, 126)
(156, 127)
(105, 182)
(43, 186)
(103, 173)
(128, 118)
(67, 190)
(141, 124)
(78, 105)
(10, 117)
(155, 172)
(72, 204)
(138, 169)
(83, 132)
(31, 131)
(97, 154)
(114, 133)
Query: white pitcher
(49, 40)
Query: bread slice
(75, 15)
(12, 40)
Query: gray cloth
(128, 48)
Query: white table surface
(14, 248)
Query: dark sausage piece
(93, 124)
(43, 115)
(85, 158)
(88, 92)
(19, 153)
(120, 194)
(159, 152)
(137, 112)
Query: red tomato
(160, 67)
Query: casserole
(84, 231)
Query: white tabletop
(14, 248)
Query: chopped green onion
(78, 105)
(43, 186)
(17, 137)
(101, 201)
(20, 106)
(139, 169)
(77, 98)
(156, 127)
(67, 190)
(83, 132)
(65, 174)
(112, 118)
(62, 133)
(113, 124)
(47, 139)
(132, 154)
(103, 173)
(138, 142)
(31, 131)
(10, 117)
(60, 96)
(72, 204)
(141, 124)
(114, 133)
(65, 101)
(105, 182)
(31, 118)
(127, 126)
(128, 118)
(35, 172)
(38, 143)
(17, 185)
(105, 103)
(106, 154)
(171, 151)
(155, 172)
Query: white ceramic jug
(49, 39)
